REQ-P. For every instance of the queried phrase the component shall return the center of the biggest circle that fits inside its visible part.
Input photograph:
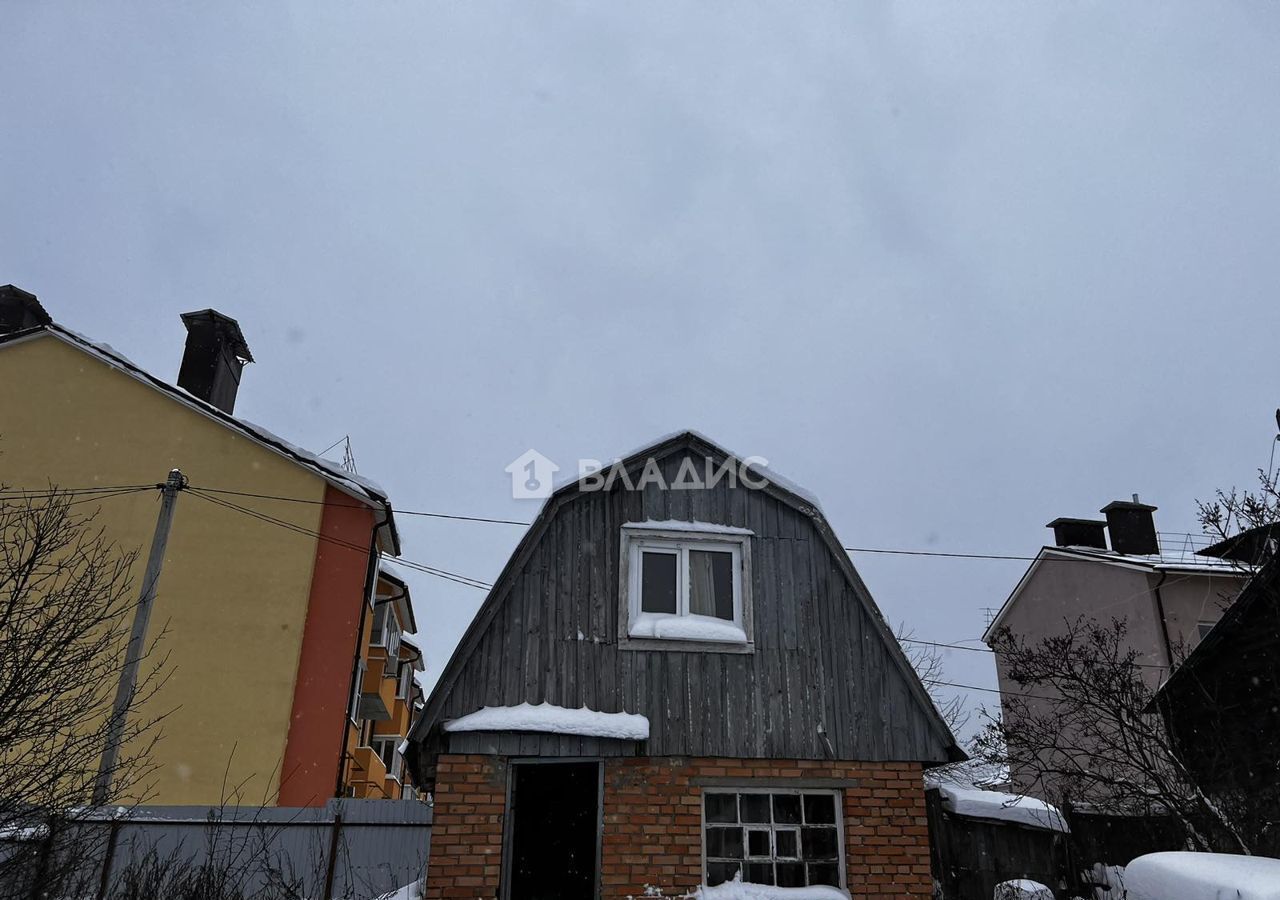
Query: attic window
(685, 582)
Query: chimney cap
(1127, 504)
(222, 326)
(1067, 520)
(12, 294)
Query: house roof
(1169, 561)
(1249, 546)
(777, 486)
(349, 483)
(1261, 588)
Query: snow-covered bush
(1022, 889)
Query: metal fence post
(332, 863)
(108, 858)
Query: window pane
(722, 807)
(724, 843)
(379, 623)
(720, 872)
(658, 582)
(819, 843)
(755, 808)
(758, 843)
(790, 874)
(824, 873)
(786, 809)
(819, 809)
(711, 583)
(788, 843)
(759, 873)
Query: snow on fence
(345, 849)
(978, 843)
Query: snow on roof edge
(552, 719)
(354, 483)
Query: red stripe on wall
(330, 640)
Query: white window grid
(680, 548)
(773, 829)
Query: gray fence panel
(363, 848)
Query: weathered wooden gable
(822, 668)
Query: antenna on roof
(349, 457)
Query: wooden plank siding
(822, 653)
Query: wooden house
(678, 678)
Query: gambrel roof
(841, 582)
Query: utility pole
(133, 654)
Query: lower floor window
(788, 838)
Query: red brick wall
(466, 832)
(653, 823)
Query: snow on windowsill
(687, 628)
(1015, 808)
(546, 717)
(743, 890)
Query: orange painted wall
(330, 641)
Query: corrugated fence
(346, 849)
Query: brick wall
(466, 831)
(653, 823)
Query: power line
(398, 512)
(525, 524)
(942, 644)
(407, 563)
(66, 492)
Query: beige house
(1119, 568)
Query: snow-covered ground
(1202, 876)
(547, 717)
(408, 892)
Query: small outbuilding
(678, 679)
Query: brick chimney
(1079, 533)
(215, 356)
(1132, 527)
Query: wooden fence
(971, 856)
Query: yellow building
(390, 697)
(268, 580)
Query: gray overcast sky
(958, 269)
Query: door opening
(554, 831)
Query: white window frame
(388, 637)
(836, 794)
(356, 690)
(679, 540)
(380, 740)
(405, 686)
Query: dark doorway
(555, 820)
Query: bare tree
(1232, 511)
(67, 599)
(1081, 732)
(926, 659)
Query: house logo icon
(531, 476)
